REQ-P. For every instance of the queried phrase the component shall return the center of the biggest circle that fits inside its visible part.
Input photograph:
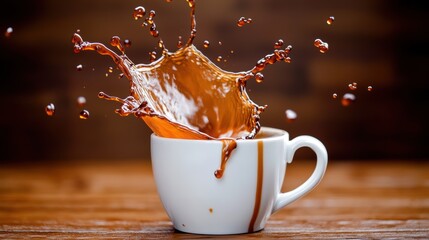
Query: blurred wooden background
(379, 43)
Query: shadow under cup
(243, 199)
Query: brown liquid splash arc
(185, 95)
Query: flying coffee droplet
(161, 44)
(330, 20)
(127, 43)
(322, 46)
(259, 77)
(220, 43)
(119, 45)
(317, 42)
(50, 109)
(152, 14)
(110, 69)
(353, 86)
(139, 12)
(152, 56)
(334, 96)
(81, 101)
(8, 32)
(290, 115)
(369, 88)
(219, 58)
(115, 41)
(278, 44)
(149, 20)
(84, 114)
(243, 21)
(348, 99)
(206, 43)
(79, 67)
(179, 42)
(153, 31)
(288, 49)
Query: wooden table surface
(118, 200)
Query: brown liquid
(353, 86)
(228, 145)
(348, 99)
(50, 109)
(259, 77)
(322, 46)
(259, 181)
(139, 12)
(79, 67)
(243, 21)
(330, 20)
(84, 114)
(81, 101)
(278, 44)
(8, 32)
(179, 42)
(183, 94)
(290, 115)
(206, 43)
(127, 43)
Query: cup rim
(276, 133)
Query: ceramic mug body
(249, 191)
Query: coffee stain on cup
(259, 179)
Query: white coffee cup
(247, 194)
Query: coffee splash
(185, 95)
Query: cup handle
(286, 198)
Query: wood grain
(118, 200)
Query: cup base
(183, 229)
